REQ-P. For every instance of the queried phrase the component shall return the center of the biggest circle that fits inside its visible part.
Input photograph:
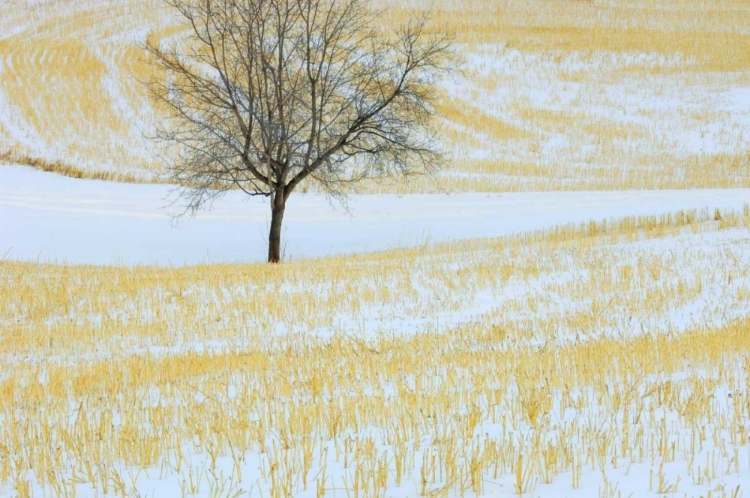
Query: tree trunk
(274, 237)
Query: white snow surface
(46, 217)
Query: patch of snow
(47, 217)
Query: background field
(554, 94)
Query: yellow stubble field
(551, 95)
(607, 358)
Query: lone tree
(262, 95)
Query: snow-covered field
(607, 359)
(554, 95)
(572, 319)
(46, 217)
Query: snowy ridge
(51, 218)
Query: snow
(693, 114)
(47, 217)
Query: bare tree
(262, 95)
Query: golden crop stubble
(60, 66)
(145, 367)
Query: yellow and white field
(554, 94)
(606, 358)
